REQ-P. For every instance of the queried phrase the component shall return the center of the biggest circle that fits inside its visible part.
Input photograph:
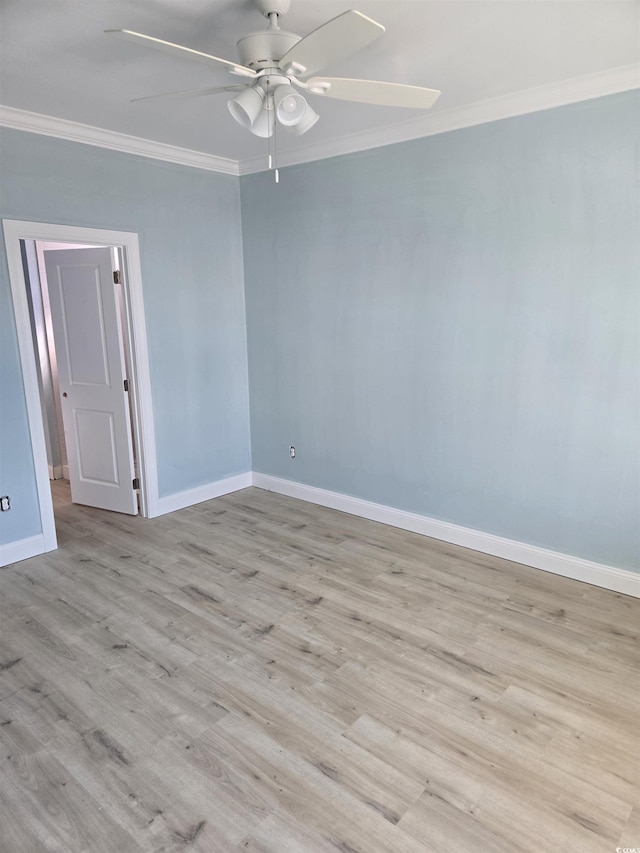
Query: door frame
(142, 408)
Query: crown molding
(89, 135)
(513, 104)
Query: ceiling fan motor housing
(264, 49)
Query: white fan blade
(180, 50)
(374, 92)
(337, 38)
(192, 93)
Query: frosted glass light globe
(289, 104)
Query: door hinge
(126, 384)
(136, 483)
(117, 276)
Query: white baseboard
(65, 472)
(180, 500)
(14, 552)
(597, 574)
(609, 577)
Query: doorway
(133, 321)
(83, 358)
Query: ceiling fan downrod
(273, 7)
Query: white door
(91, 374)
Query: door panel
(84, 328)
(91, 372)
(97, 454)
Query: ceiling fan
(278, 65)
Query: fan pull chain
(266, 106)
(272, 149)
(275, 150)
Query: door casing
(142, 409)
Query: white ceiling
(55, 60)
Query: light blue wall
(17, 475)
(447, 326)
(450, 326)
(188, 221)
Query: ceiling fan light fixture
(264, 123)
(307, 121)
(247, 106)
(290, 106)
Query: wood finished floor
(259, 674)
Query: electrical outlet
(5, 503)
(292, 452)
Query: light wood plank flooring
(259, 674)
